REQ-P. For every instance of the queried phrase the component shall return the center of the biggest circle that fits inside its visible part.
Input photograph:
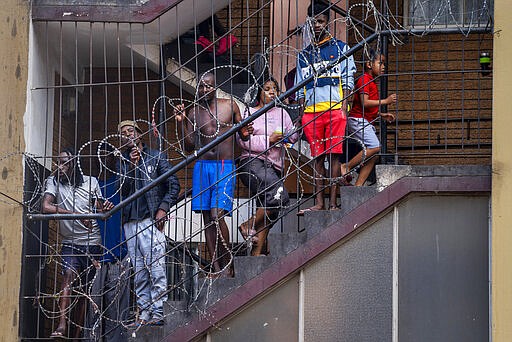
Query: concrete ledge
(388, 174)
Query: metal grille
(90, 73)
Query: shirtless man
(213, 179)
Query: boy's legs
(64, 303)
(325, 132)
(335, 172)
(364, 131)
(223, 193)
(319, 174)
(313, 128)
(223, 236)
(210, 233)
(368, 165)
(87, 270)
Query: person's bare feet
(313, 208)
(345, 177)
(247, 230)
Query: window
(448, 13)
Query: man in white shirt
(68, 191)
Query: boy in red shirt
(364, 114)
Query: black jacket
(153, 163)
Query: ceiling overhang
(129, 13)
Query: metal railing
(117, 72)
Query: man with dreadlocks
(68, 191)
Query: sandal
(58, 334)
(335, 207)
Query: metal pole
(384, 92)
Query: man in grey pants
(143, 220)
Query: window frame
(451, 24)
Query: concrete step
(247, 267)
(210, 291)
(150, 333)
(351, 197)
(176, 314)
(281, 244)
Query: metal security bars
(88, 76)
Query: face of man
(65, 165)
(206, 87)
(320, 23)
(129, 136)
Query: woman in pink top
(261, 166)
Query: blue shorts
(361, 129)
(79, 258)
(213, 185)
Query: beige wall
(502, 175)
(416, 273)
(13, 82)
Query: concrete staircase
(283, 242)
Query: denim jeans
(146, 248)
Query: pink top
(276, 119)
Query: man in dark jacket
(144, 220)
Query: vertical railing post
(163, 73)
(385, 159)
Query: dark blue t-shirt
(112, 233)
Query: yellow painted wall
(502, 175)
(13, 85)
